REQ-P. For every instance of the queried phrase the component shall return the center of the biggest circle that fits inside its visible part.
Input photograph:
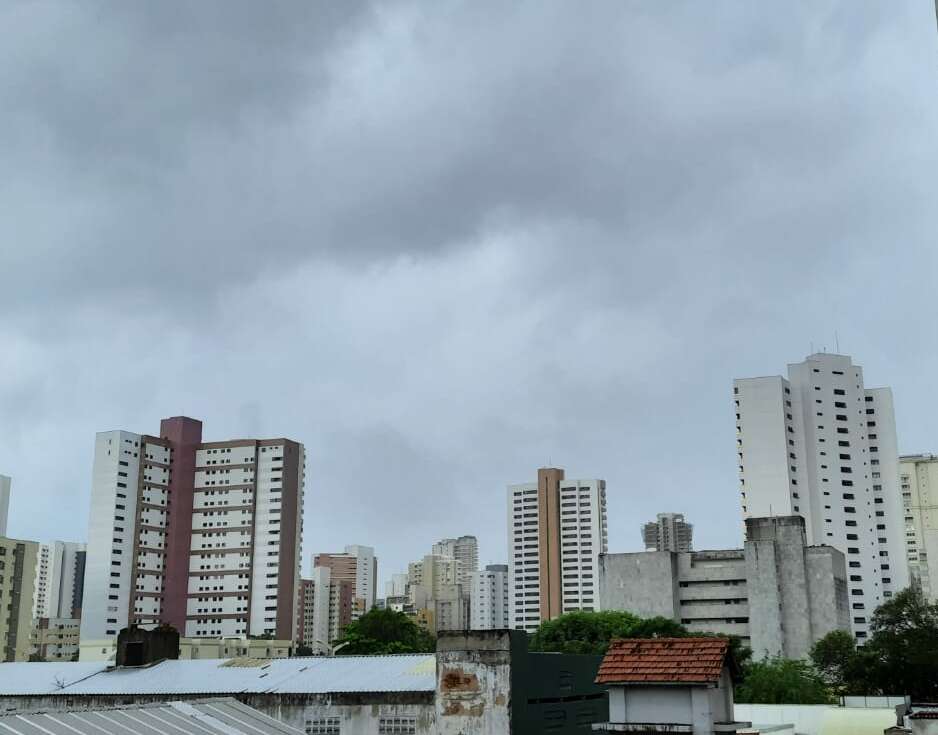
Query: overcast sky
(445, 243)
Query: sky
(446, 243)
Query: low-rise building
(777, 594)
(484, 683)
(670, 685)
(234, 647)
(55, 639)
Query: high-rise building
(918, 485)
(465, 549)
(488, 598)
(201, 536)
(60, 576)
(435, 594)
(668, 532)
(5, 484)
(556, 532)
(325, 607)
(396, 586)
(359, 565)
(17, 581)
(821, 445)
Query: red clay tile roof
(637, 660)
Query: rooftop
(222, 716)
(312, 675)
(664, 660)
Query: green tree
(591, 632)
(902, 654)
(384, 631)
(835, 658)
(782, 681)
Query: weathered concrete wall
(473, 673)
(827, 591)
(643, 583)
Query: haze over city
(443, 245)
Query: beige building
(358, 565)
(236, 647)
(55, 639)
(433, 585)
(17, 582)
(918, 485)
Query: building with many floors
(465, 549)
(488, 598)
(556, 532)
(60, 577)
(777, 594)
(203, 536)
(55, 639)
(668, 532)
(358, 565)
(821, 445)
(326, 606)
(918, 486)
(17, 582)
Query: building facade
(777, 594)
(436, 597)
(489, 598)
(326, 607)
(203, 536)
(556, 532)
(358, 565)
(918, 485)
(668, 532)
(60, 577)
(464, 549)
(17, 582)
(55, 639)
(821, 445)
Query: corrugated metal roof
(312, 675)
(207, 717)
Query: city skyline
(444, 245)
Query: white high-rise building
(918, 485)
(201, 536)
(60, 576)
(556, 532)
(5, 484)
(357, 564)
(465, 549)
(488, 598)
(820, 445)
(396, 586)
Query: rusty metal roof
(664, 660)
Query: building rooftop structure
(662, 660)
(211, 716)
(302, 675)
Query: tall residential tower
(821, 445)
(918, 484)
(556, 532)
(202, 536)
(668, 532)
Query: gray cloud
(443, 244)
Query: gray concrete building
(777, 594)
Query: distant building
(670, 685)
(55, 639)
(434, 588)
(358, 565)
(5, 484)
(396, 586)
(668, 532)
(464, 549)
(326, 607)
(821, 445)
(777, 594)
(60, 577)
(918, 485)
(235, 647)
(556, 532)
(17, 581)
(203, 536)
(489, 598)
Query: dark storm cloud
(445, 243)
